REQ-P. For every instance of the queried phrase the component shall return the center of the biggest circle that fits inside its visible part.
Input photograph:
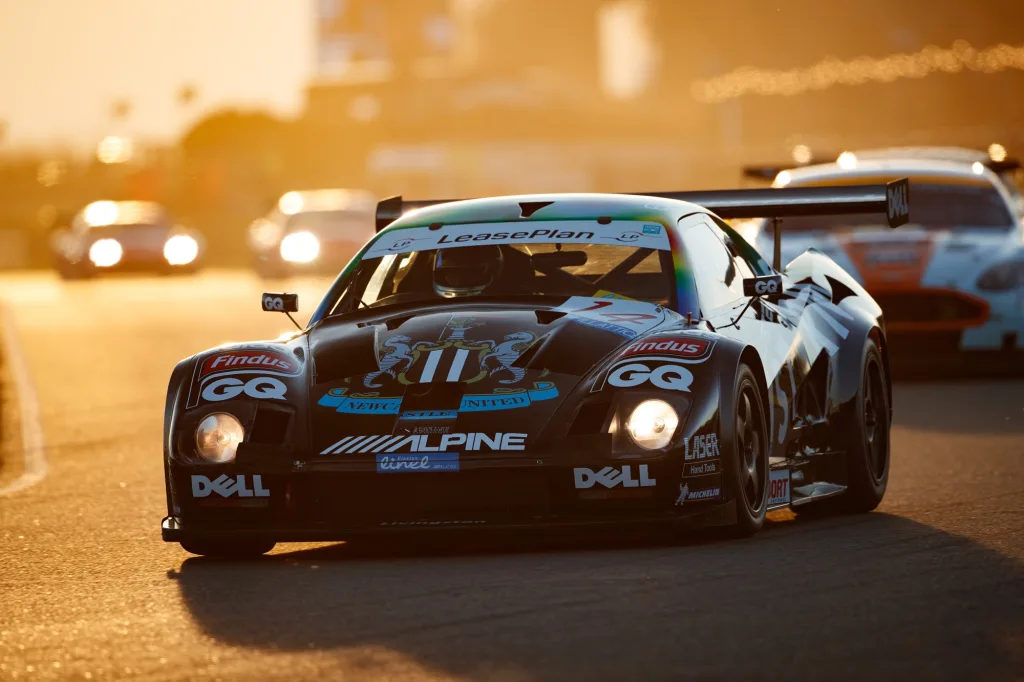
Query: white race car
(951, 281)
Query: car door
(719, 272)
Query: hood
(461, 369)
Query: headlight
(300, 247)
(1004, 276)
(218, 436)
(652, 424)
(105, 252)
(180, 250)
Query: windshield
(511, 270)
(932, 206)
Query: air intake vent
(270, 427)
(590, 418)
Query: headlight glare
(180, 250)
(218, 436)
(105, 253)
(300, 247)
(1004, 276)
(652, 424)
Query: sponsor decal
(611, 477)
(897, 204)
(778, 487)
(282, 303)
(242, 361)
(227, 486)
(698, 494)
(652, 229)
(500, 399)
(768, 285)
(670, 377)
(429, 428)
(620, 316)
(413, 415)
(701, 447)
(662, 345)
(454, 359)
(421, 443)
(700, 468)
(556, 231)
(418, 461)
(601, 293)
(260, 388)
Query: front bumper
(338, 505)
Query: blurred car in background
(312, 231)
(950, 281)
(125, 236)
(1007, 170)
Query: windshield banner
(617, 233)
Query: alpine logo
(682, 347)
(227, 486)
(249, 360)
(420, 443)
(611, 477)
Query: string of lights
(830, 71)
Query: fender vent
(270, 426)
(590, 418)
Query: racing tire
(228, 548)
(747, 470)
(866, 434)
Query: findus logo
(683, 347)
(427, 442)
(611, 477)
(226, 486)
(271, 361)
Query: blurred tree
(187, 95)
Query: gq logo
(230, 387)
(897, 201)
(669, 377)
(280, 303)
(769, 285)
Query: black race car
(544, 360)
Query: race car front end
(617, 436)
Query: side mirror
(768, 286)
(281, 303)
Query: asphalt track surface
(931, 586)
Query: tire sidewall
(748, 520)
(864, 491)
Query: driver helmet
(466, 270)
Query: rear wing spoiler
(769, 173)
(891, 199)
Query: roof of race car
(915, 169)
(553, 207)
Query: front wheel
(747, 473)
(228, 548)
(866, 434)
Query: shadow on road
(868, 597)
(966, 407)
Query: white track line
(33, 448)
